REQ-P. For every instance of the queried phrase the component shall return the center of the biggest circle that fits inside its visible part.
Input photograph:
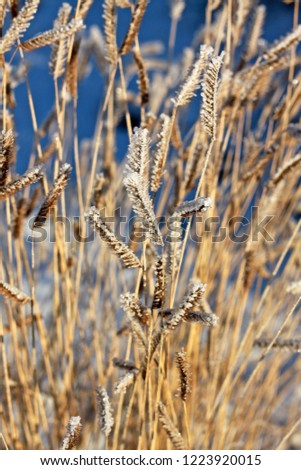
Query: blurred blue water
(155, 26)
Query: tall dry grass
(180, 334)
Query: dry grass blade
(249, 264)
(74, 429)
(18, 220)
(143, 206)
(209, 94)
(142, 77)
(104, 411)
(72, 72)
(161, 152)
(19, 25)
(53, 195)
(123, 252)
(13, 293)
(110, 31)
(3, 444)
(193, 79)
(255, 32)
(290, 344)
(285, 170)
(184, 375)
(242, 11)
(30, 177)
(171, 430)
(59, 48)
(54, 35)
(7, 154)
(134, 26)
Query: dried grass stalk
(138, 153)
(123, 252)
(160, 286)
(126, 365)
(184, 375)
(176, 9)
(18, 220)
(104, 411)
(72, 71)
(190, 301)
(124, 382)
(100, 181)
(188, 208)
(209, 94)
(161, 152)
(282, 46)
(290, 344)
(142, 77)
(110, 31)
(74, 429)
(193, 166)
(14, 8)
(135, 323)
(134, 26)
(53, 195)
(33, 200)
(290, 165)
(243, 8)
(7, 154)
(2, 12)
(30, 177)
(171, 430)
(59, 48)
(133, 307)
(13, 293)
(54, 35)
(84, 8)
(174, 243)
(19, 25)
(123, 4)
(249, 256)
(205, 319)
(143, 206)
(50, 150)
(193, 78)
(255, 32)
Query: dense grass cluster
(177, 325)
